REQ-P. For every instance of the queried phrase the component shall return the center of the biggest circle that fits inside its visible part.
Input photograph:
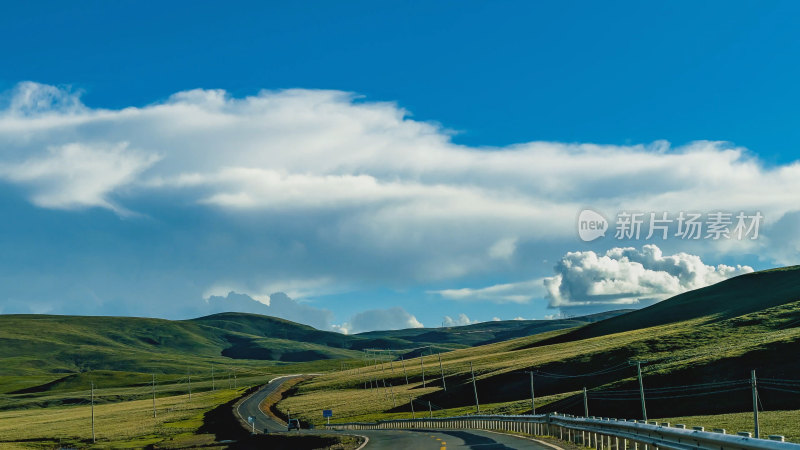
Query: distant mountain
(486, 332)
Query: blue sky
(449, 147)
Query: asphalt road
(446, 440)
(396, 439)
(249, 407)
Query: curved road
(447, 439)
(249, 407)
(396, 439)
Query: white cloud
(461, 320)
(343, 328)
(281, 305)
(379, 319)
(495, 319)
(298, 289)
(78, 175)
(503, 249)
(627, 276)
(277, 305)
(519, 292)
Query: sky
(365, 165)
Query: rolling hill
(65, 344)
(43, 353)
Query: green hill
(730, 298)
(46, 353)
(35, 344)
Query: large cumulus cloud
(625, 277)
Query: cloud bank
(379, 319)
(281, 305)
(462, 319)
(257, 193)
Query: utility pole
(585, 403)
(235, 385)
(533, 398)
(641, 389)
(404, 368)
(755, 401)
(190, 385)
(422, 364)
(154, 395)
(430, 410)
(411, 402)
(213, 386)
(365, 369)
(383, 376)
(93, 441)
(394, 400)
(444, 385)
(475, 389)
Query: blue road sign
(327, 413)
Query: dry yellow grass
(117, 425)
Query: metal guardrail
(598, 433)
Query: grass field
(743, 332)
(118, 425)
(783, 423)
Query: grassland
(742, 331)
(117, 425)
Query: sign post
(252, 421)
